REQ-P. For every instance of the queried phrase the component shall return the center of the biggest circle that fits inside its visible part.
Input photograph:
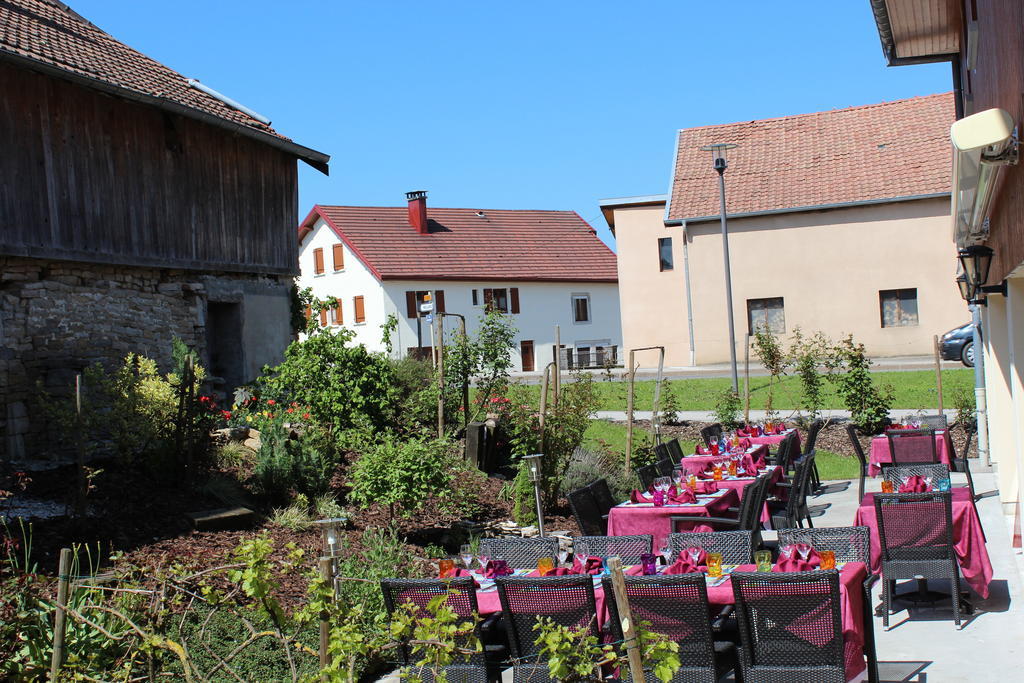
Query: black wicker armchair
(858, 450)
(736, 547)
(629, 548)
(849, 543)
(587, 511)
(519, 553)
(912, 446)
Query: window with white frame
(581, 308)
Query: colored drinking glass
(649, 562)
(828, 559)
(714, 565)
(763, 560)
(544, 565)
(446, 567)
(887, 486)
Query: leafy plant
(966, 409)
(728, 408)
(402, 474)
(868, 404)
(669, 404)
(285, 464)
(769, 351)
(807, 354)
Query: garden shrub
(868, 404)
(403, 473)
(769, 351)
(807, 354)
(728, 408)
(966, 409)
(285, 465)
(669, 404)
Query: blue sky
(542, 105)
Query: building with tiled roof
(136, 206)
(832, 216)
(542, 268)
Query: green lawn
(603, 434)
(913, 389)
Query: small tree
(769, 351)
(868, 404)
(727, 409)
(669, 404)
(807, 354)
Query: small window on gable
(336, 314)
(339, 257)
(665, 253)
(768, 314)
(318, 261)
(581, 308)
(360, 311)
(898, 307)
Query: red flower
(295, 404)
(290, 410)
(305, 416)
(226, 414)
(271, 402)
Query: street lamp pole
(718, 154)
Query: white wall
(354, 280)
(541, 305)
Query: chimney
(418, 210)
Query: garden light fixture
(533, 463)
(965, 287)
(718, 156)
(330, 530)
(976, 261)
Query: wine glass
(694, 553)
(928, 482)
(483, 559)
(787, 551)
(563, 555)
(662, 483)
(805, 551)
(666, 552)
(466, 553)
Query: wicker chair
(567, 600)
(962, 464)
(629, 548)
(603, 496)
(711, 433)
(520, 553)
(461, 594)
(793, 511)
(665, 467)
(748, 514)
(662, 452)
(896, 473)
(675, 606)
(912, 446)
(915, 534)
(736, 546)
(790, 627)
(849, 543)
(812, 440)
(785, 454)
(934, 421)
(647, 474)
(858, 449)
(587, 511)
(675, 451)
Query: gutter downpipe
(980, 395)
(689, 300)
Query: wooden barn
(135, 205)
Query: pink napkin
(749, 469)
(707, 486)
(705, 475)
(795, 564)
(685, 496)
(594, 566)
(742, 432)
(779, 428)
(684, 565)
(915, 484)
(703, 451)
(459, 572)
(493, 570)
(559, 571)
(637, 497)
(745, 444)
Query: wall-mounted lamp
(975, 261)
(964, 286)
(982, 144)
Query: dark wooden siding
(86, 176)
(998, 81)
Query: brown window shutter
(514, 295)
(488, 299)
(323, 317)
(318, 261)
(309, 312)
(337, 314)
(410, 304)
(360, 312)
(439, 301)
(339, 257)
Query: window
(336, 314)
(504, 300)
(413, 301)
(766, 313)
(474, 298)
(318, 261)
(581, 308)
(526, 354)
(664, 253)
(339, 258)
(898, 307)
(360, 312)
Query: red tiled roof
(874, 152)
(462, 245)
(53, 35)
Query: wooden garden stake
(938, 370)
(636, 665)
(327, 574)
(440, 375)
(60, 616)
(629, 414)
(83, 482)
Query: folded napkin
(742, 432)
(705, 475)
(701, 450)
(594, 566)
(459, 572)
(707, 486)
(559, 571)
(795, 564)
(781, 427)
(915, 484)
(745, 444)
(637, 497)
(749, 468)
(684, 565)
(684, 497)
(496, 568)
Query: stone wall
(56, 318)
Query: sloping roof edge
(317, 160)
(306, 227)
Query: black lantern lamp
(718, 154)
(976, 261)
(965, 287)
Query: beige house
(838, 222)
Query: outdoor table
(881, 455)
(643, 518)
(740, 484)
(775, 439)
(851, 596)
(695, 464)
(968, 539)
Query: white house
(543, 268)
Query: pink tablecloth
(740, 485)
(880, 454)
(489, 602)
(775, 439)
(627, 519)
(695, 464)
(968, 539)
